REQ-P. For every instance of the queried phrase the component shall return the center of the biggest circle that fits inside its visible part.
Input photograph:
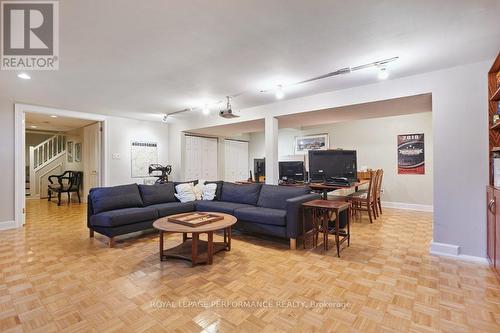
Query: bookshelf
(493, 100)
(492, 192)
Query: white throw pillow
(209, 191)
(198, 190)
(185, 192)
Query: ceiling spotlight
(383, 73)
(165, 118)
(53, 116)
(206, 110)
(279, 92)
(24, 76)
(33, 126)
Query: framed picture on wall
(69, 151)
(78, 152)
(143, 154)
(411, 154)
(311, 142)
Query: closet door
(200, 158)
(210, 159)
(236, 160)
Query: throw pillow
(209, 191)
(198, 190)
(185, 192)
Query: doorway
(53, 142)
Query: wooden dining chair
(365, 201)
(378, 192)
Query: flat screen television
(291, 170)
(327, 164)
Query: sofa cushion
(123, 216)
(110, 198)
(171, 208)
(261, 215)
(157, 193)
(209, 191)
(275, 196)
(185, 192)
(240, 193)
(218, 191)
(218, 206)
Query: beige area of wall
(375, 141)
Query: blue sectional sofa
(265, 209)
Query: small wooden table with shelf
(322, 212)
(192, 248)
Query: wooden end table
(322, 212)
(192, 248)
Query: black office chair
(73, 184)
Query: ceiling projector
(228, 111)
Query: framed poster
(310, 142)
(70, 151)
(411, 154)
(143, 154)
(78, 152)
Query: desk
(328, 188)
(322, 212)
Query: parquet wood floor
(54, 278)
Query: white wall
(460, 127)
(121, 132)
(7, 160)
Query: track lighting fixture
(165, 118)
(279, 92)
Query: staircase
(40, 160)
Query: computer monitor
(327, 164)
(291, 170)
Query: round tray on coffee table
(192, 248)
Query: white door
(201, 158)
(236, 160)
(91, 158)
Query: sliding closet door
(201, 158)
(235, 160)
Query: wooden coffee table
(192, 248)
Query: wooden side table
(322, 212)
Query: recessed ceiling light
(279, 93)
(206, 110)
(24, 76)
(383, 73)
(53, 116)
(33, 126)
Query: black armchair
(73, 184)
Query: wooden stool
(322, 212)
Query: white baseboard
(5, 225)
(408, 206)
(453, 251)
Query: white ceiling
(387, 108)
(44, 122)
(143, 58)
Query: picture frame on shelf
(311, 142)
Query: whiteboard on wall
(143, 154)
